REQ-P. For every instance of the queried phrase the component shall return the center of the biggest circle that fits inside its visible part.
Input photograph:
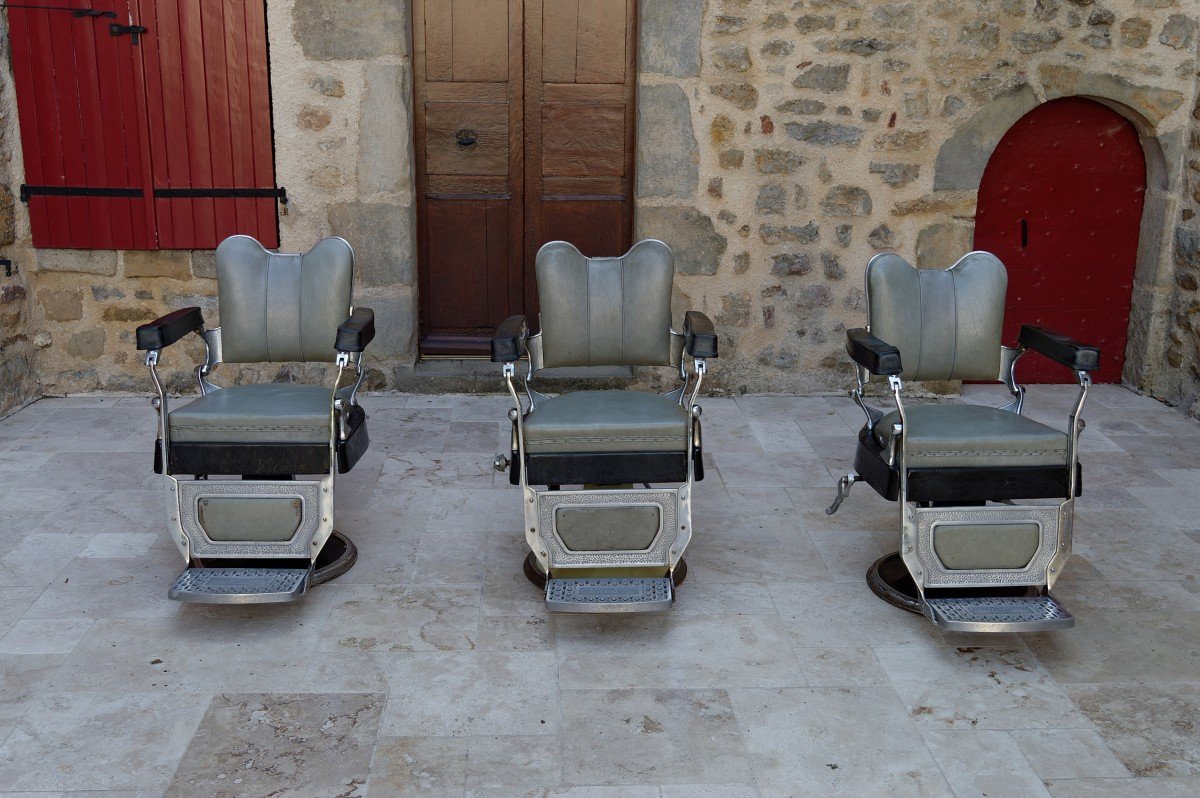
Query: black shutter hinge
(134, 31)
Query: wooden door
(524, 134)
(1061, 205)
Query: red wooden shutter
(144, 140)
(209, 106)
(83, 132)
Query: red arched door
(1061, 205)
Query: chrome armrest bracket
(1008, 375)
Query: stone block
(204, 263)
(806, 107)
(847, 201)
(777, 162)
(86, 345)
(731, 58)
(743, 96)
(963, 157)
(825, 134)
(697, 245)
(64, 305)
(775, 234)
(811, 23)
(395, 326)
(827, 78)
(940, 245)
(1156, 104)
(129, 313)
(351, 29)
(896, 174)
(8, 226)
(80, 261)
(175, 264)
(1178, 32)
(667, 154)
(791, 264)
(385, 153)
(771, 200)
(669, 37)
(882, 237)
(1028, 42)
(1135, 32)
(382, 237)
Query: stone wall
(1181, 382)
(341, 83)
(781, 143)
(18, 381)
(784, 143)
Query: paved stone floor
(432, 668)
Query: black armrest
(876, 356)
(508, 341)
(1059, 348)
(165, 331)
(699, 335)
(356, 332)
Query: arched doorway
(1060, 203)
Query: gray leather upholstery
(946, 324)
(967, 436)
(605, 311)
(268, 413)
(278, 308)
(606, 421)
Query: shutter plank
(237, 79)
(92, 152)
(216, 85)
(260, 120)
(191, 41)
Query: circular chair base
(888, 578)
(534, 573)
(336, 558)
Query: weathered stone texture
(668, 156)
(670, 40)
(382, 239)
(697, 245)
(351, 29)
(176, 264)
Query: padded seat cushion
(967, 436)
(269, 413)
(607, 421)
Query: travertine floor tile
(280, 744)
(651, 736)
(1152, 729)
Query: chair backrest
(946, 323)
(605, 311)
(280, 308)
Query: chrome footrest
(609, 595)
(240, 585)
(998, 613)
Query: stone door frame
(962, 158)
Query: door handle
(134, 31)
(466, 138)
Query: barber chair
(601, 538)
(249, 469)
(980, 547)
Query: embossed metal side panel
(659, 553)
(315, 525)
(935, 574)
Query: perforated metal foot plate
(240, 585)
(998, 614)
(609, 595)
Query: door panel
(468, 144)
(1060, 204)
(524, 135)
